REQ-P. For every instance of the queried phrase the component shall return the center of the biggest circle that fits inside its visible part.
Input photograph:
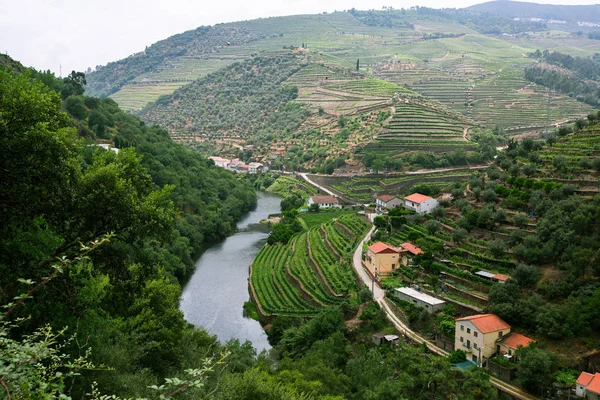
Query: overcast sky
(80, 34)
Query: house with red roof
(478, 335)
(382, 259)
(325, 201)
(420, 203)
(588, 386)
(387, 202)
(510, 344)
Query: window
(475, 346)
(393, 256)
(475, 333)
(500, 334)
(468, 330)
(462, 339)
(462, 327)
(468, 344)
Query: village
(481, 339)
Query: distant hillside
(517, 9)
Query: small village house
(588, 386)
(220, 162)
(324, 202)
(382, 259)
(387, 202)
(510, 344)
(408, 251)
(420, 203)
(381, 338)
(478, 335)
(254, 168)
(419, 299)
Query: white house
(254, 168)
(324, 201)
(588, 386)
(429, 303)
(478, 335)
(237, 166)
(420, 203)
(387, 202)
(220, 162)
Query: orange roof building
(381, 259)
(411, 248)
(420, 203)
(511, 343)
(478, 335)
(588, 385)
(380, 247)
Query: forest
(574, 76)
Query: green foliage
(457, 356)
(247, 91)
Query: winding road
(379, 297)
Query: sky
(75, 34)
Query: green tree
(534, 369)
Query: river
(215, 294)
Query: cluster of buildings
(416, 202)
(238, 166)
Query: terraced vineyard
(365, 189)
(311, 271)
(417, 126)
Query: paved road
(307, 179)
(364, 275)
(379, 296)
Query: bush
(457, 356)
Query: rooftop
(500, 277)
(594, 385)
(425, 298)
(411, 248)
(514, 340)
(386, 197)
(417, 198)
(485, 274)
(380, 247)
(325, 200)
(585, 378)
(486, 323)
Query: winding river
(215, 294)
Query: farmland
(310, 272)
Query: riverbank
(215, 294)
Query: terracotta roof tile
(500, 277)
(594, 385)
(417, 198)
(486, 323)
(380, 247)
(411, 248)
(585, 378)
(325, 200)
(514, 340)
(386, 197)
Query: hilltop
(518, 9)
(355, 89)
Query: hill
(518, 9)
(319, 92)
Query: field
(312, 271)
